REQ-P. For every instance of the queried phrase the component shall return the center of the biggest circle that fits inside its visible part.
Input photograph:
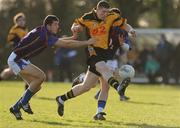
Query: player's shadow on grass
(50, 122)
(69, 123)
(132, 102)
(139, 125)
(97, 124)
(143, 103)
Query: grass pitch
(149, 107)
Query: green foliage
(169, 13)
(159, 13)
(134, 9)
(149, 107)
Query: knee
(41, 77)
(5, 73)
(102, 69)
(38, 81)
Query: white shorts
(17, 66)
(112, 64)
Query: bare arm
(68, 38)
(73, 43)
(73, 37)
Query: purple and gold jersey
(34, 43)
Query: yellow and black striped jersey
(15, 34)
(100, 29)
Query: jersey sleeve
(83, 20)
(16, 34)
(80, 21)
(11, 37)
(120, 22)
(52, 40)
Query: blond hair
(17, 16)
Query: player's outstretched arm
(73, 37)
(73, 43)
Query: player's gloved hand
(132, 33)
(76, 28)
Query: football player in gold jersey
(97, 24)
(16, 33)
(102, 95)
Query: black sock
(67, 96)
(113, 82)
(122, 92)
(26, 86)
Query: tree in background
(169, 13)
(157, 13)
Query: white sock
(100, 109)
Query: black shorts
(94, 55)
(91, 62)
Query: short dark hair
(48, 20)
(103, 4)
(116, 10)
